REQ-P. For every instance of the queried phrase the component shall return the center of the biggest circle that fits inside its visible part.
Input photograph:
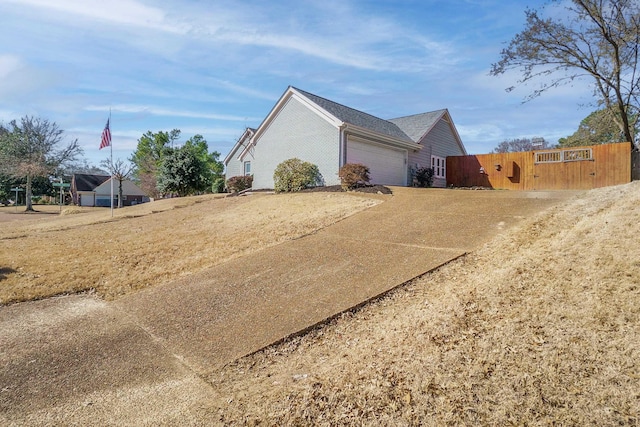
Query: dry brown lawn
(539, 327)
(84, 249)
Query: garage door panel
(87, 199)
(386, 165)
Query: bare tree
(30, 149)
(595, 38)
(121, 171)
(521, 144)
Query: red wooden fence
(554, 169)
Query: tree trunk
(119, 193)
(27, 197)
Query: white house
(95, 190)
(329, 135)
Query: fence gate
(564, 169)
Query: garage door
(87, 199)
(386, 165)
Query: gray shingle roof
(85, 182)
(358, 118)
(418, 124)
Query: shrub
(424, 176)
(239, 183)
(218, 185)
(353, 175)
(296, 175)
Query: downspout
(343, 146)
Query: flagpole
(111, 150)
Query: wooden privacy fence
(635, 165)
(576, 168)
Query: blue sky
(214, 67)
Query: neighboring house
(95, 190)
(329, 135)
(83, 186)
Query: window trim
(439, 166)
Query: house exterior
(83, 186)
(329, 135)
(95, 190)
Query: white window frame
(244, 166)
(439, 166)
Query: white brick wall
(296, 132)
(234, 167)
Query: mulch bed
(374, 189)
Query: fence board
(635, 167)
(559, 169)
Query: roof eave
(455, 131)
(367, 133)
(237, 145)
(291, 92)
(445, 113)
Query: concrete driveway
(142, 359)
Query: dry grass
(48, 254)
(540, 327)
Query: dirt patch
(541, 326)
(20, 215)
(148, 244)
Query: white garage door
(386, 165)
(87, 199)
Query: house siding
(296, 132)
(235, 167)
(441, 142)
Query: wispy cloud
(159, 111)
(120, 12)
(8, 65)
(214, 67)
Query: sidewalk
(79, 358)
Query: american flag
(106, 137)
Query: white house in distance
(329, 135)
(95, 190)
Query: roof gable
(417, 126)
(86, 182)
(243, 141)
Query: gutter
(369, 134)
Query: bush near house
(236, 184)
(354, 175)
(424, 177)
(218, 185)
(295, 175)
